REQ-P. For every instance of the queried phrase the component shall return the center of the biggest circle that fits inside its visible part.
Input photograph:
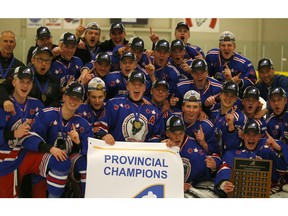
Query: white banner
(133, 170)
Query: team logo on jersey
(187, 168)
(135, 130)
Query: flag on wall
(203, 24)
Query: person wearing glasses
(46, 87)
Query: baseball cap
(103, 56)
(96, 84)
(136, 43)
(75, 89)
(265, 62)
(128, 54)
(40, 49)
(199, 64)
(191, 96)
(162, 44)
(277, 90)
(93, 25)
(180, 24)
(226, 36)
(160, 82)
(251, 125)
(175, 123)
(42, 32)
(137, 75)
(251, 91)
(68, 38)
(230, 86)
(23, 71)
(115, 26)
(177, 44)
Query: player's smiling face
(191, 111)
(22, 87)
(200, 77)
(97, 98)
(136, 90)
(71, 102)
(228, 99)
(102, 68)
(251, 140)
(227, 49)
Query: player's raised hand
(199, 135)
(230, 116)
(86, 76)
(211, 100)
(74, 135)
(272, 143)
(237, 79)
(173, 100)
(80, 30)
(153, 37)
(210, 163)
(199, 55)
(185, 67)
(227, 72)
(9, 106)
(150, 68)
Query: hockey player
(208, 88)
(277, 124)
(198, 165)
(128, 118)
(163, 70)
(46, 87)
(268, 80)
(93, 108)
(177, 59)
(116, 81)
(228, 118)
(99, 67)
(195, 126)
(60, 127)
(226, 64)
(66, 66)
(251, 105)
(19, 157)
(253, 147)
(182, 32)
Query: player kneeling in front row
(198, 165)
(19, 154)
(60, 127)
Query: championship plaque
(251, 178)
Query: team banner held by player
(133, 170)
